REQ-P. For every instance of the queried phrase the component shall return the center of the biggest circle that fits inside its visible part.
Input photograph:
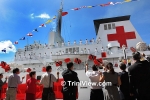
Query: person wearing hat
(139, 76)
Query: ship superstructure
(115, 38)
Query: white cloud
(8, 45)
(43, 16)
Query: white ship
(114, 38)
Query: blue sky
(16, 20)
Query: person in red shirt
(31, 86)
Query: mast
(55, 37)
(59, 19)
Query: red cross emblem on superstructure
(121, 36)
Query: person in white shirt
(45, 54)
(62, 44)
(86, 41)
(13, 82)
(57, 44)
(80, 42)
(96, 91)
(47, 81)
(85, 51)
(96, 51)
(99, 40)
(68, 43)
(88, 51)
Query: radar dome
(141, 46)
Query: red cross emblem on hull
(121, 36)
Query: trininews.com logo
(86, 83)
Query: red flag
(76, 60)
(7, 68)
(64, 13)
(116, 65)
(16, 42)
(30, 34)
(75, 9)
(59, 63)
(92, 57)
(28, 70)
(43, 69)
(98, 61)
(42, 25)
(133, 49)
(107, 4)
(103, 54)
(67, 60)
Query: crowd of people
(133, 84)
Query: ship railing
(72, 44)
(63, 45)
(41, 58)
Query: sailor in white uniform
(86, 42)
(57, 44)
(80, 42)
(45, 55)
(75, 52)
(102, 50)
(62, 44)
(46, 45)
(93, 41)
(85, 51)
(88, 51)
(68, 43)
(51, 54)
(60, 52)
(99, 40)
(39, 55)
(63, 52)
(81, 51)
(29, 56)
(96, 51)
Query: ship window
(67, 50)
(113, 26)
(105, 27)
(77, 49)
(74, 49)
(70, 50)
(109, 26)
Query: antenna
(61, 5)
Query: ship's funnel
(118, 29)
